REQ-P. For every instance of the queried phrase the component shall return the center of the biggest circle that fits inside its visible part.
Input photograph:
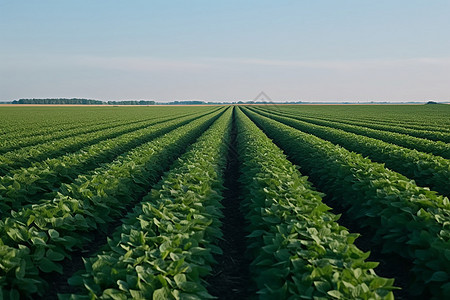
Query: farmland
(234, 202)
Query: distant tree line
(81, 101)
(57, 101)
(186, 103)
(131, 102)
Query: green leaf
(123, 285)
(160, 294)
(54, 256)
(378, 282)
(30, 220)
(439, 276)
(38, 241)
(75, 280)
(180, 279)
(138, 295)
(48, 266)
(114, 294)
(322, 286)
(190, 287)
(53, 233)
(20, 271)
(335, 294)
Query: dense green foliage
(299, 250)
(428, 170)
(148, 198)
(406, 219)
(43, 179)
(20, 122)
(35, 239)
(434, 147)
(405, 115)
(165, 246)
(426, 130)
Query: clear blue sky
(226, 50)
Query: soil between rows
(391, 265)
(231, 278)
(58, 283)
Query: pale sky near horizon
(331, 50)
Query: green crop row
(41, 181)
(434, 116)
(14, 142)
(23, 122)
(426, 169)
(12, 130)
(299, 249)
(434, 147)
(24, 157)
(85, 128)
(407, 220)
(35, 240)
(419, 131)
(432, 132)
(165, 246)
(403, 124)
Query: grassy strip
(42, 180)
(165, 246)
(299, 248)
(406, 219)
(35, 240)
(434, 147)
(426, 169)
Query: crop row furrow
(24, 131)
(26, 186)
(426, 169)
(36, 239)
(401, 127)
(24, 157)
(13, 143)
(299, 250)
(402, 115)
(434, 135)
(405, 219)
(434, 147)
(165, 246)
(382, 124)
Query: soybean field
(225, 202)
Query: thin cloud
(149, 64)
(141, 63)
(120, 63)
(334, 64)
